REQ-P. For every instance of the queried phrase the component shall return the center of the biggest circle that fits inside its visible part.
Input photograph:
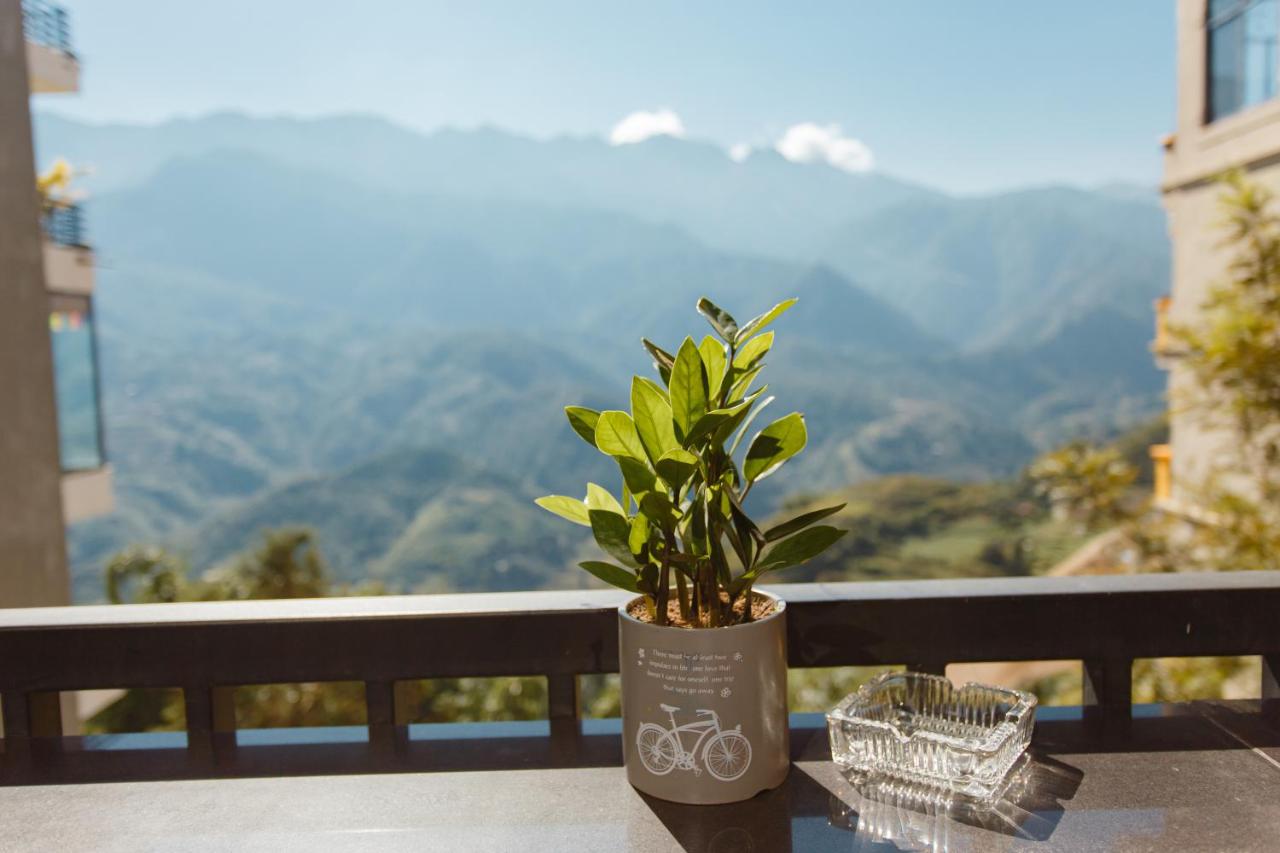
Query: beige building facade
(53, 468)
(1228, 116)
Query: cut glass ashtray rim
(852, 709)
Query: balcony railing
(47, 24)
(65, 225)
(207, 649)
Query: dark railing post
(563, 709)
(30, 715)
(387, 711)
(1108, 684)
(211, 718)
(1270, 692)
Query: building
(1228, 116)
(53, 467)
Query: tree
(286, 564)
(1232, 355)
(1089, 484)
(146, 574)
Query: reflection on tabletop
(880, 810)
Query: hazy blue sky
(969, 96)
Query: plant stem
(664, 589)
(682, 592)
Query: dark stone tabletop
(1202, 776)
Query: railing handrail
(379, 607)
(209, 648)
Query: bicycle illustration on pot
(726, 753)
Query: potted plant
(702, 652)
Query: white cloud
(642, 124)
(811, 143)
(740, 152)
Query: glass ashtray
(922, 729)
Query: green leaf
(737, 413)
(662, 359)
(613, 534)
(800, 522)
(611, 574)
(715, 360)
(773, 445)
(661, 356)
(652, 415)
(746, 424)
(616, 435)
(583, 421)
(754, 350)
(725, 326)
(803, 546)
(566, 507)
(757, 324)
(675, 466)
(742, 382)
(636, 475)
(713, 420)
(657, 506)
(648, 579)
(639, 536)
(688, 388)
(599, 497)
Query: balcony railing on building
(65, 225)
(46, 24)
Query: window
(75, 367)
(1242, 54)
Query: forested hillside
(343, 324)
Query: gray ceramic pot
(704, 712)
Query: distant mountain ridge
(289, 307)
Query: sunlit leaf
(639, 537)
(715, 361)
(616, 435)
(742, 382)
(753, 351)
(757, 324)
(653, 419)
(725, 326)
(583, 421)
(746, 424)
(599, 497)
(688, 387)
(566, 507)
(773, 445)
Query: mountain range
(371, 331)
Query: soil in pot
(761, 607)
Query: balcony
(1193, 776)
(68, 260)
(51, 65)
